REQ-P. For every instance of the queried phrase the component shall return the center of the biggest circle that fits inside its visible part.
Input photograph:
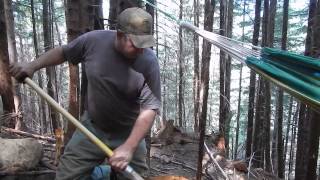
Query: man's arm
(50, 58)
(123, 154)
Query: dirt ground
(172, 153)
(174, 159)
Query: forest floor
(171, 153)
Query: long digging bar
(129, 172)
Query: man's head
(134, 31)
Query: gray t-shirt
(118, 88)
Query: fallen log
(26, 134)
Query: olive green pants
(81, 155)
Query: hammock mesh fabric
(300, 74)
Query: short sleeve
(148, 100)
(150, 97)
(74, 51)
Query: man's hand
(21, 70)
(121, 157)
(123, 154)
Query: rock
(19, 154)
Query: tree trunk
(316, 33)
(279, 98)
(181, 72)
(293, 138)
(150, 10)
(224, 104)
(305, 168)
(252, 86)
(314, 117)
(196, 73)
(271, 22)
(24, 108)
(262, 139)
(289, 122)
(312, 12)
(42, 109)
(10, 31)
(281, 156)
(116, 7)
(5, 78)
(79, 20)
(314, 145)
(50, 71)
(157, 31)
(238, 115)
(302, 152)
(229, 23)
(204, 84)
(13, 57)
(258, 140)
(76, 19)
(240, 89)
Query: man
(123, 94)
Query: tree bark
(79, 20)
(302, 152)
(13, 57)
(42, 109)
(262, 120)
(258, 140)
(204, 85)
(229, 23)
(289, 122)
(307, 135)
(316, 33)
(50, 71)
(293, 138)
(314, 145)
(252, 86)
(116, 7)
(181, 72)
(150, 10)
(279, 97)
(314, 117)
(196, 73)
(238, 115)
(5, 78)
(240, 89)
(281, 156)
(224, 104)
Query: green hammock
(296, 73)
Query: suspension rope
(241, 51)
(230, 46)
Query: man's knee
(79, 159)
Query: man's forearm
(141, 127)
(50, 58)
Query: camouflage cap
(137, 24)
